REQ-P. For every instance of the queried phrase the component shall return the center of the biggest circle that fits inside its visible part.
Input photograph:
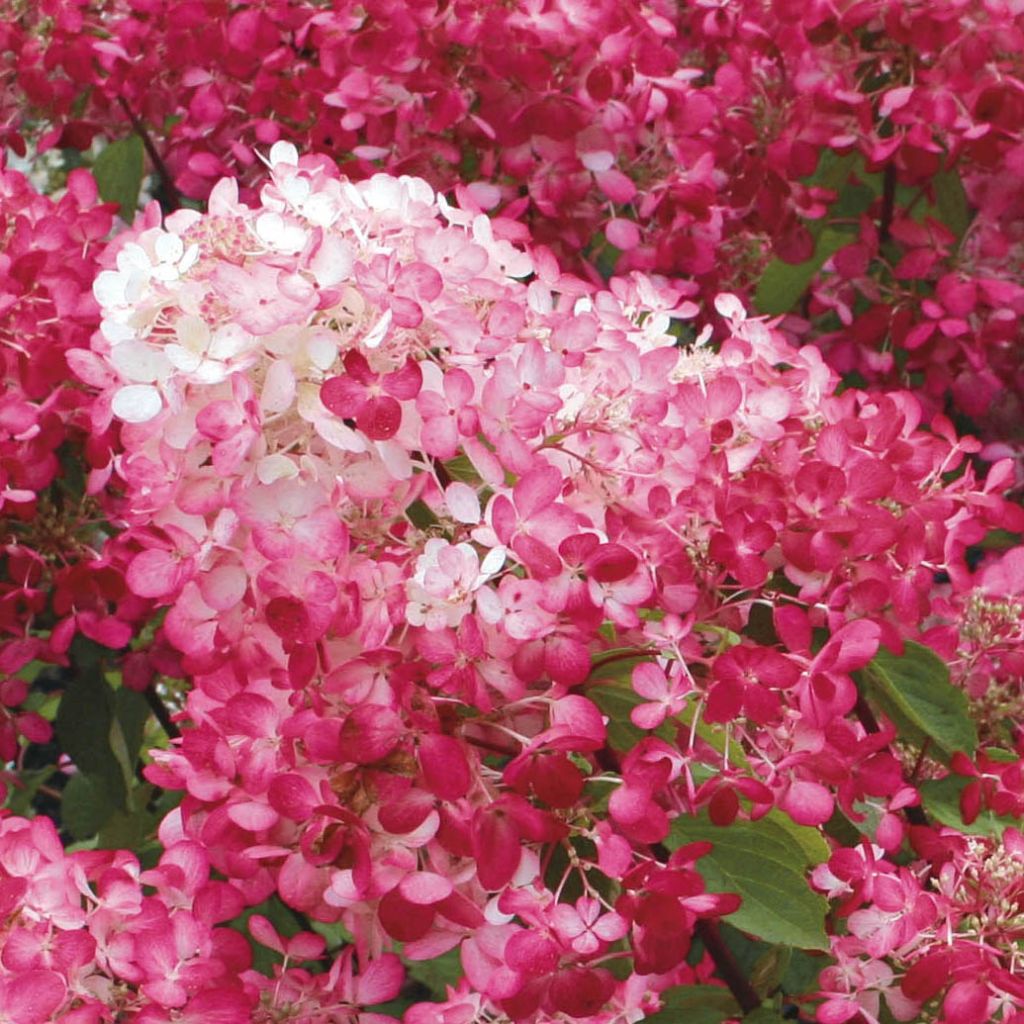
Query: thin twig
(888, 201)
(162, 712)
(167, 186)
(726, 966)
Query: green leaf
(951, 201)
(767, 972)
(914, 691)
(1000, 540)
(941, 799)
(809, 840)
(84, 725)
(841, 829)
(263, 958)
(118, 171)
(461, 468)
(420, 515)
(767, 1014)
(833, 170)
(119, 748)
(86, 806)
(764, 864)
(132, 712)
(783, 284)
(129, 831)
(436, 974)
(801, 976)
(701, 1004)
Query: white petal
(380, 329)
(492, 563)
(395, 458)
(293, 239)
(137, 361)
(275, 467)
(322, 350)
(165, 272)
(193, 333)
(730, 307)
(137, 403)
(321, 210)
(295, 190)
(132, 256)
(283, 153)
(136, 285)
(182, 358)
(337, 435)
(598, 160)
(109, 288)
(279, 234)
(116, 332)
(269, 226)
(210, 371)
(489, 606)
(189, 259)
(169, 248)
(278, 387)
(230, 341)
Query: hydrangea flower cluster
(90, 937)
(52, 580)
(670, 138)
(414, 506)
(950, 924)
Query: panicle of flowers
(939, 937)
(400, 483)
(90, 936)
(671, 138)
(53, 580)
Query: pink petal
(425, 887)
(648, 716)
(380, 981)
(808, 803)
(253, 817)
(154, 573)
(368, 734)
(405, 382)
(344, 396)
(462, 502)
(649, 680)
(536, 490)
(293, 796)
(265, 934)
(623, 234)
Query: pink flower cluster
(943, 932)
(680, 139)
(402, 486)
(91, 937)
(50, 571)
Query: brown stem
(888, 201)
(495, 748)
(162, 712)
(865, 715)
(167, 186)
(441, 472)
(726, 966)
